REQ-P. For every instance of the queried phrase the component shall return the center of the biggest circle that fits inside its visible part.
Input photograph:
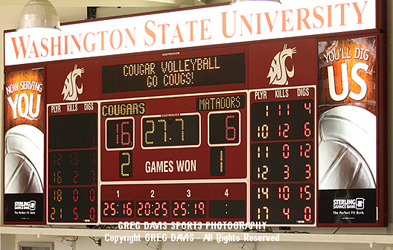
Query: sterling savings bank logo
(71, 88)
(25, 205)
(279, 73)
(344, 203)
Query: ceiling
(75, 10)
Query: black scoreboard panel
(202, 135)
(283, 156)
(185, 72)
(73, 164)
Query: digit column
(72, 163)
(283, 155)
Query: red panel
(164, 162)
(273, 61)
(73, 81)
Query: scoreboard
(287, 132)
(208, 149)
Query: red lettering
(102, 33)
(65, 45)
(120, 39)
(22, 46)
(163, 26)
(56, 45)
(191, 29)
(150, 33)
(342, 7)
(286, 20)
(258, 23)
(85, 43)
(77, 43)
(248, 25)
(34, 50)
(44, 47)
(304, 19)
(204, 29)
(358, 12)
(130, 36)
(269, 22)
(319, 17)
(224, 24)
(177, 34)
(329, 15)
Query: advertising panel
(347, 131)
(24, 119)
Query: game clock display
(171, 131)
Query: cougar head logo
(71, 89)
(278, 72)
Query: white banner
(190, 28)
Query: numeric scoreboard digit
(282, 120)
(182, 130)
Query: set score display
(155, 209)
(182, 130)
(174, 202)
(120, 133)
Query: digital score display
(167, 139)
(175, 138)
(279, 120)
(123, 130)
(283, 157)
(72, 164)
(171, 131)
(73, 204)
(73, 167)
(174, 202)
(283, 203)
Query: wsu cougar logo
(71, 89)
(278, 72)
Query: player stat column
(283, 155)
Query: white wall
(85, 243)
(9, 15)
